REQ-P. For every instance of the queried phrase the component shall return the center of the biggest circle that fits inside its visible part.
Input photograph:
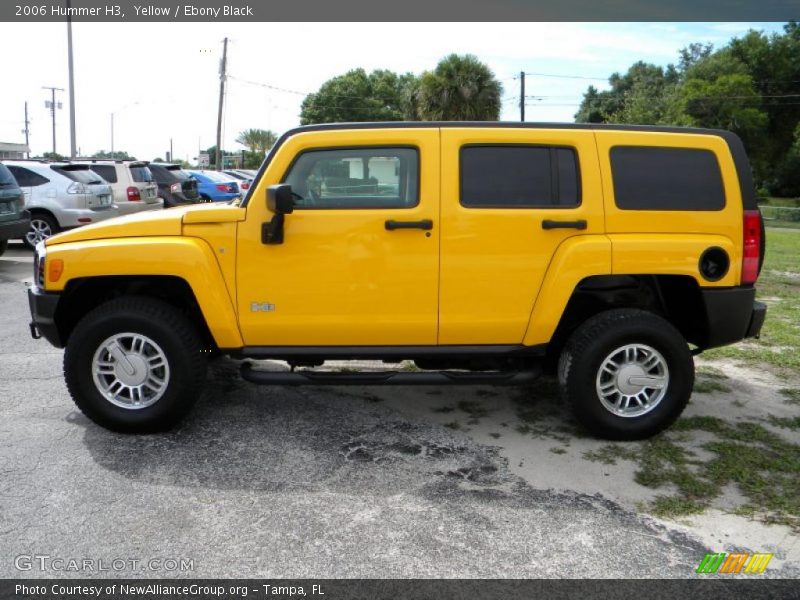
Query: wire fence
(786, 216)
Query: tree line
(751, 86)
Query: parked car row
(39, 198)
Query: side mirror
(279, 199)
(280, 203)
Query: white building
(9, 150)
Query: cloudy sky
(161, 80)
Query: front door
(359, 265)
(510, 197)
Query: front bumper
(15, 230)
(43, 310)
(732, 314)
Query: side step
(388, 377)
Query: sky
(161, 80)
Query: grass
(792, 395)
(710, 380)
(763, 465)
(779, 287)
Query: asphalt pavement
(285, 482)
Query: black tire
(594, 341)
(44, 218)
(164, 325)
(3, 247)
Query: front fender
(190, 259)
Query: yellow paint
(340, 278)
(191, 259)
(482, 276)
(494, 259)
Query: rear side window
(141, 174)
(650, 178)
(26, 177)
(107, 172)
(519, 177)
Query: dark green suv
(14, 221)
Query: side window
(657, 178)
(355, 178)
(26, 178)
(107, 172)
(519, 177)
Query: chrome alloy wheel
(39, 231)
(130, 370)
(632, 380)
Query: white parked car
(60, 195)
(131, 183)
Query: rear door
(510, 197)
(360, 259)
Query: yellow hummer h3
(487, 253)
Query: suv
(14, 221)
(482, 252)
(175, 186)
(60, 195)
(131, 183)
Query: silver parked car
(60, 195)
(131, 183)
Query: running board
(388, 377)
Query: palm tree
(257, 140)
(460, 88)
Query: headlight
(39, 256)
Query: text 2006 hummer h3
(484, 252)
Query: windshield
(79, 173)
(6, 178)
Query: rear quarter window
(107, 172)
(141, 174)
(658, 178)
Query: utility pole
(222, 70)
(112, 135)
(27, 130)
(52, 106)
(522, 96)
(72, 141)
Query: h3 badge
(262, 307)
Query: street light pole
(112, 134)
(73, 142)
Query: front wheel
(628, 374)
(134, 365)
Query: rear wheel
(134, 365)
(628, 374)
(42, 227)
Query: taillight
(175, 188)
(751, 254)
(222, 187)
(245, 185)
(133, 194)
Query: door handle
(550, 224)
(425, 224)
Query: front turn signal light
(55, 267)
